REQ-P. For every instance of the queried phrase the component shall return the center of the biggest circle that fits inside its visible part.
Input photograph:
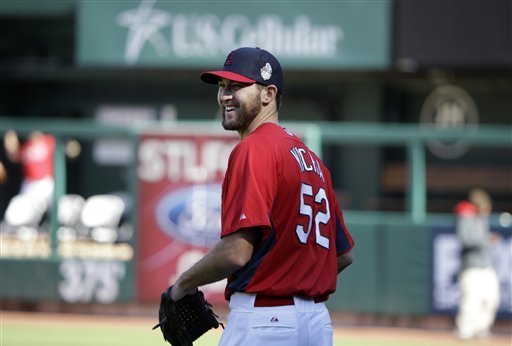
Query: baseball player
(479, 285)
(283, 238)
(36, 158)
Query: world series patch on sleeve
(184, 321)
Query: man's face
(239, 104)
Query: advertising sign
(179, 186)
(449, 107)
(344, 34)
(446, 266)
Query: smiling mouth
(229, 108)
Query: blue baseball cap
(249, 65)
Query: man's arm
(12, 146)
(3, 173)
(344, 261)
(231, 253)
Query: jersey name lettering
(306, 161)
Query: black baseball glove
(185, 320)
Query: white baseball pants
(305, 323)
(480, 296)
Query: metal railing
(413, 137)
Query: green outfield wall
(391, 269)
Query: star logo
(144, 24)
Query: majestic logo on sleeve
(266, 72)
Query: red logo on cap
(229, 60)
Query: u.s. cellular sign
(190, 34)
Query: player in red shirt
(283, 238)
(36, 159)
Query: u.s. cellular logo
(208, 35)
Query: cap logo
(266, 72)
(229, 60)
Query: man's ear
(268, 94)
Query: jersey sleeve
(344, 241)
(248, 188)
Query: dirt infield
(363, 335)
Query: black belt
(268, 301)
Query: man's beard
(246, 114)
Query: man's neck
(260, 119)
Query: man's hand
(178, 292)
(183, 321)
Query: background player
(36, 159)
(283, 238)
(479, 286)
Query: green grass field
(90, 331)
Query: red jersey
(277, 186)
(37, 157)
